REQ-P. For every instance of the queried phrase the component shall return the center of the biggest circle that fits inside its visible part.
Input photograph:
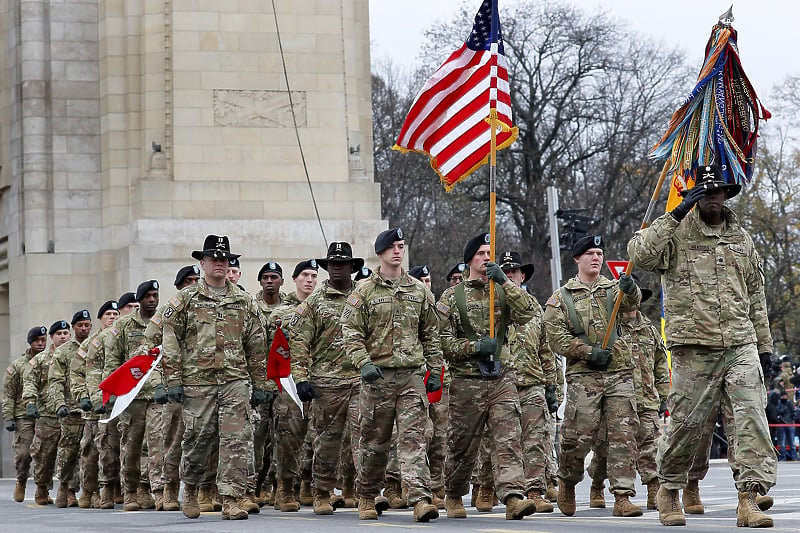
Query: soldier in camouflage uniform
(15, 413)
(48, 430)
(142, 418)
(322, 370)
(391, 335)
(651, 381)
(59, 394)
(600, 382)
(551, 442)
(90, 454)
(717, 330)
(483, 393)
(214, 362)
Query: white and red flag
(279, 366)
(127, 380)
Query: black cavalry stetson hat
(710, 177)
(215, 246)
(509, 260)
(341, 251)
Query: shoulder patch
(157, 320)
(300, 310)
(114, 331)
(10, 370)
(354, 300)
(33, 360)
(82, 353)
(174, 302)
(443, 308)
(553, 302)
(96, 342)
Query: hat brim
(356, 263)
(646, 294)
(730, 189)
(527, 270)
(199, 254)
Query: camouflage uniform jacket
(392, 324)
(531, 357)
(125, 340)
(96, 362)
(713, 281)
(282, 312)
(591, 308)
(266, 308)
(59, 388)
(458, 350)
(651, 373)
(34, 382)
(153, 332)
(316, 342)
(77, 376)
(13, 406)
(212, 340)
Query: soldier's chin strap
(488, 369)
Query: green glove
(662, 408)
(371, 373)
(11, 425)
(434, 382)
(258, 397)
(627, 284)
(550, 398)
(160, 394)
(175, 394)
(99, 410)
(62, 412)
(599, 359)
(111, 401)
(85, 404)
(32, 413)
(485, 347)
(495, 273)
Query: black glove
(371, 373)
(306, 391)
(85, 404)
(31, 413)
(766, 364)
(259, 397)
(434, 383)
(175, 394)
(285, 333)
(550, 398)
(662, 408)
(485, 347)
(99, 410)
(160, 394)
(599, 359)
(11, 425)
(627, 284)
(495, 273)
(62, 411)
(686, 205)
(111, 401)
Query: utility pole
(555, 245)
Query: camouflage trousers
(482, 471)
(44, 450)
(107, 441)
(90, 456)
(263, 446)
(140, 422)
(534, 421)
(217, 416)
(335, 412)
(23, 438)
(398, 398)
(349, 454)
(493, 404)
(69, 446)
(700, 463)
(551, 456)
(596, 401)
(172, 427)
(290, 433)
(646, 447)
(439, 414)
(701, 377)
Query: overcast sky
(769, 42)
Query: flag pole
(492, 209)
(645, 223)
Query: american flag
(448, 119)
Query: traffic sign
(617, 267)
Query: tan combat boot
(107, 497)
(145, 498)
(624, 507)
(748, 514)
(596, 498)
(191, 507)
(96, 500)
(19, 490)
(216, 499)
(61, 496)
(652, 492)
(322, 502)
(542, 505)
(272, 493)
(366, 509)
(394, 493)
(349, 493)
(454, 507)
(158, 496)
(72, 499)
(485, 500)
(232, 510)
(517, 508)
(336, 500)
(425, 511)
(130, 502)
(285, 499)
(552, 492)
(85, 501)
(171, 491)
(473, 497)
(306, 496)
(41, 497)
(438, 498)
(118, 496)
(261, 497)
(247, 502)
(566, 498)
(692, 504)
(204, 500)
(669, 508)
(764, 501)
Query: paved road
(717, 491)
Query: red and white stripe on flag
(448, 119)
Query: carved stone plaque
(258, 109)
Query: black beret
(458, 268)
(386, 238)
(35, 333)
(83, 314)
(234, 262)
(111, 304)
(145, 287)
(58, 325)
(272, 266)
(190, 270)
(363, 273)
(584, 243)
(309, 264)
(419, 271)
(473, 244)
(125, 299)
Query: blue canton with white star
(482, 35)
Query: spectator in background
(772, 414)
(785, 435)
